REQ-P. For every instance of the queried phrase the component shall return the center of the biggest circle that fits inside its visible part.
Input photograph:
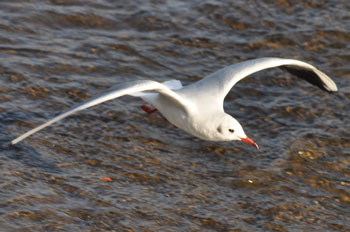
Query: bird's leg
(148, 110)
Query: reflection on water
(115, 168)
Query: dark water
(56, 53)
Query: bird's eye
(231, 130)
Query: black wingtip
(313, 76)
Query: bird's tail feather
(171, 84)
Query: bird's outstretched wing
(112, 93)
(218, 84)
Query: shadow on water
(21, 152)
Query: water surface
(54, 54)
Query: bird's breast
(198, 122)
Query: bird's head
(230, 129)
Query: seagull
(198, 108)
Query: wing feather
(218, 84)
(112, 93)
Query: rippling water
(115, 168)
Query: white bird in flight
(199, 107)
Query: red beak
(250, 142)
